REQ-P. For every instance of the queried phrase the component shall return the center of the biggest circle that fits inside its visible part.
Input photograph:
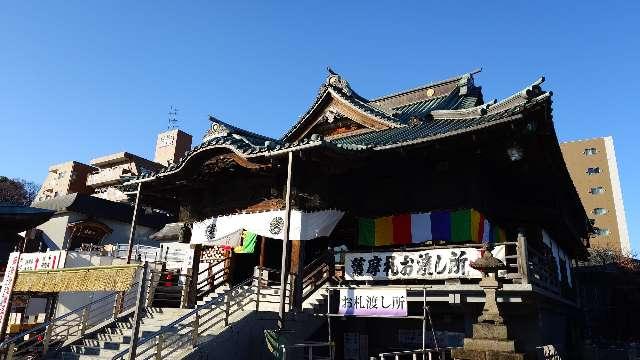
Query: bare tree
(17, 191)
(625, 259)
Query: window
(593, 170)
(590, 151)
(599, 211)
(596, 190)
(602, 232)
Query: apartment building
(594, 171)
(66, 178)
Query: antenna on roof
(173, 120)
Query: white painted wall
(55, 230)
(616, 189)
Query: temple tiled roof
(220, 128)
(437, 123)
(420, 109)
(396, 110)
(100, 208)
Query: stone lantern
(489, 266)
(489, 339)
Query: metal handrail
(45, 324)
(187, 328)
(184, 318)
(441, 352)
(310, 346)
(73, 323)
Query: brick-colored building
(594, 171)
(66, 178)
(171, 146)
(112, 168)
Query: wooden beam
(263, 249)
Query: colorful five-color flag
(451, 226)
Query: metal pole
(140, 308)
(328, 312)
(285, 243)
(132, 231)
(424, 322)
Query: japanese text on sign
(426, 264)
(7, 284)
(49, 260)
(378, 302)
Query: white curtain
(304, 225)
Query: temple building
(405, 191)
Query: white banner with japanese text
(7, 285)
(433, 264)
(373, 302)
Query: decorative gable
(338, 111)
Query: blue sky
(81, 79)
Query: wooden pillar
(195, 270)
(297, 270)
(263, 249)
(228, 268)
(523, 260)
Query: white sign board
(373, 302)
(7, 285)
(433, 264)
(49, 260)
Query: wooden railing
(542, 270)
(213, 280)
(317, 273)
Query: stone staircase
(316, 303)
(109, 341)
(168, 290)
(226, 321)
(214, 294)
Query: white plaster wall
(55, 230)
(120, 234)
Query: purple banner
(373, 302)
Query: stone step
(91, 350)
(110, 345)
(119, 338)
